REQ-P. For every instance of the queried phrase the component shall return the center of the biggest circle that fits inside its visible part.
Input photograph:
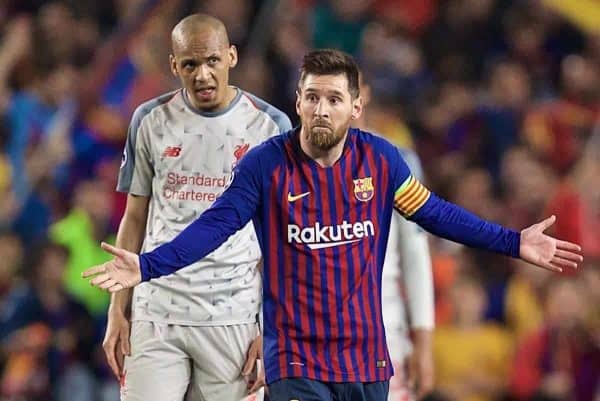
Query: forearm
(130, 237)
(452, 222)
(231, 211)
(200, 238)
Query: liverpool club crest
(363, 189)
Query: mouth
(321, 124)
(205, 92)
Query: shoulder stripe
(279, 117)
(129, 152)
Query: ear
(233, 56)
(173, 65)
(298, 96)
(357, 108)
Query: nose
(203, 73)
(321, 110)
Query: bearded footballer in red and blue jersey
(321, 198)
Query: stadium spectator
(463, 372)
(46, 335)
(560, 360)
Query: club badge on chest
(364, 189)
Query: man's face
(202, 61)
(326, 107)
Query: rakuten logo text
(318, 236)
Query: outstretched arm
(204, 235)
(232, 211)
(452, 222)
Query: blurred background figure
(471, 357)
(500, 99)
(577, 199)
(48, 336)
(86, 224)
(559, 361)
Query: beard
(323, 135)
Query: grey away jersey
(182, 159)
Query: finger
(575, 257)
(124, 339)
(547, 223)
(107, 284)
(115, 288)
(113, 249)
(120, 358)
(98, 280)
(558, 261)
(250, 362)
(550, 266)
(569, 246)
(92, 271)
(110, 351)
(257, 385)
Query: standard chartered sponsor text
(323, 236)
(185, 187)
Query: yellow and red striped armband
(410, 196)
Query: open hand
(121, 272)
(548, 252)
(116, 343)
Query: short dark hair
(331, 62)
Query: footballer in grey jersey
(182, 159)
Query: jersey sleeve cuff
(515, 247)
(145, 268)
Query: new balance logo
(293, 198)
(172, 151)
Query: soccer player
(321, 197)
(406, 292)
(191, 331)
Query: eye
(311, 98)
(189, 65)
(213, 60)
(335, 100)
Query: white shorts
(191, 363)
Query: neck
(325, 158)
(231, 92)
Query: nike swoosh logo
(293, 198)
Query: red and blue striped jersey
(323, 232)
(326, 231)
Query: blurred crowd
(501, 100)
